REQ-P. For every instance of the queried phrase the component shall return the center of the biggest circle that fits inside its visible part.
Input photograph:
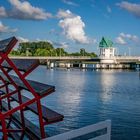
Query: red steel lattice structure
(22, 69)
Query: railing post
(108, 129)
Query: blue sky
(73, 24)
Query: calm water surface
(87, 97)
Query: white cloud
(129, 37)
(2, 12)
(73, 26)
(94, 41)
(65, 14)
(40, 40)
(24, 10)
(133, 8)
(61, 44)
(70, 2)
(109, 10)
(22, 39)
(123, 38)
(6, 29)
(120, 40)
(55, 32)
(3, 28)
(136, 38)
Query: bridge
(81, 58)
(53, 58)
(87, 62)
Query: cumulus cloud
(93, 41)
(24, 10)
(123, 38)
(73, 26)
(129, 36)
(54, 32)
(132, 8)
(120, 40)
(22, 39)
(65, 14)
(2, 12)
(6, 29)
(42, 40)
(70, 2)
(109, 10)
(61, 44)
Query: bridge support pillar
(83, 66)
(48, 63)
(68, 65)
(52, 65)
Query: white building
(106, 48)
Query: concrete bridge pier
(138, 67)
(48, 63)
(52, 65)
(83, 66)
(68, 65)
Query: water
(87, 97)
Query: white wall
(107, 52)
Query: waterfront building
(107, 52)
(106, 48)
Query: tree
(82, 52)
(44, 48)
(61, 52)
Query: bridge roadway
(53, 58)
(82, 58)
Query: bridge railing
(50, 57)
(75, 57)
(127, 57)
(120, 57)
(81, 132)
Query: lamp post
(60, 52)
(51, 53)
(117, 51)
(82, 52)
(27, 51)
(129, 49)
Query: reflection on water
(71, 98)
(107, 82)
(87, 97)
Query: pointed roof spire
(105, 43)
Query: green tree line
(44, 48)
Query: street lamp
(82, 51)
(51, 53)
(27, 51)
(60, 52)
(129, 49)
